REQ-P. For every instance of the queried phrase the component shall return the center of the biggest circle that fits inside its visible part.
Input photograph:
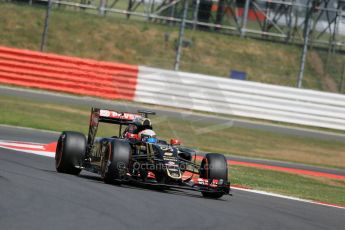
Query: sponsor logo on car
(168, 153)
(114, 114)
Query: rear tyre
(118, 162)
(214, 166)
(70, 152)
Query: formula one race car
(136, 155)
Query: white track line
(36, 152)
(21, 145)
(21, 142)
(271, 194)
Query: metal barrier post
(245, 18)
(102, 6)
(46, 26)
(309, 12)
(180, 37)
(196, 11)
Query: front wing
(195, 184)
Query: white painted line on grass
(271, 194)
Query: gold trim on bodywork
(179, 172)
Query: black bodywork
(160, 163)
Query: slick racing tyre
(118, 162)
(214, 166)
(70, 152)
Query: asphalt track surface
(35, 196)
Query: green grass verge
(330, 191)
(114, 38)
(58, 117)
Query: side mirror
(175, 142)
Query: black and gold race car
(136, 155)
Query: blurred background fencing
(255, 40)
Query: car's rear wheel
(70, 152)
(118, 162)
(214, 166)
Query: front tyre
(118, 162)
(70, 152)
(214, 166)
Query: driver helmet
(147, 135)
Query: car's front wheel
(214, 166)
(70, 152)
(118, 162)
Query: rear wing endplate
(107, 116)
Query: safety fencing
(171, 88)
(240, 98)
(67, 74)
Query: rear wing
(120, 118)
(107, 116)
